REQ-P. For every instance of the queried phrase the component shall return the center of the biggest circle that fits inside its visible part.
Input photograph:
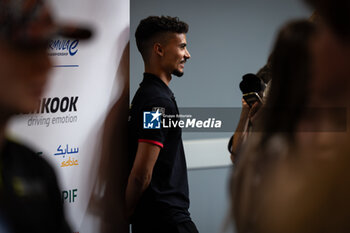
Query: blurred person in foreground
(274, 136)
(310, 193)
(30, 199)
(157, 195)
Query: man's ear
(158, 49)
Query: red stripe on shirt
(152, 142)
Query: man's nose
(187, 55)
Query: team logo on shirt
(151, 120)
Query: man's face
(175, 54)
(23, 75)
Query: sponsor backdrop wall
(66, 128)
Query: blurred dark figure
(331, 52)
(335, 14)
(276, 125)
(30, 199)
(309, 193)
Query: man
(29, 195)
(157, 196)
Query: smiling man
(157, 197)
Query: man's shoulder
(151, 97)
(153, 103)
(152, 90)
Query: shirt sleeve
(150, 117)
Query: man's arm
(141, 174)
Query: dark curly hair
(153, 26)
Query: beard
(177, 73)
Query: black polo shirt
(167, 197)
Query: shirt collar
(151, 78)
